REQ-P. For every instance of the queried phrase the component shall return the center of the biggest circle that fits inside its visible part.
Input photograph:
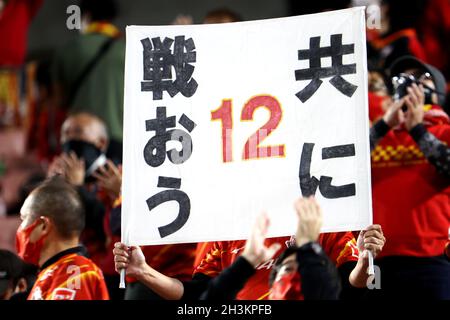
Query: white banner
(224, 121)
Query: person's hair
(100, 10)
(286, 253)
(223, 14)
(58, 200)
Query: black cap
(409, 62)
(11, 267)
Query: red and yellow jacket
(69, 276)
(411, 200)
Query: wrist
(310, 246)
(412, 125)
(358, 276)
(252, 259)
(363, 259)
(301, 241)
(77, 182)
(143, 270)
(382, 127)
(387, 122)
(417, 131)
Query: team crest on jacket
(64, 294)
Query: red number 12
(252, 150)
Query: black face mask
(93, 157)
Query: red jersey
(69, 276)
(411, 200)
(340, 247)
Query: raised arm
(437, 153)
(230, 281)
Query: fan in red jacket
(53, 218)
(411, 184)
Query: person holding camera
(411, 184)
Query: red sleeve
(340, 247)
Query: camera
(403, 81)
